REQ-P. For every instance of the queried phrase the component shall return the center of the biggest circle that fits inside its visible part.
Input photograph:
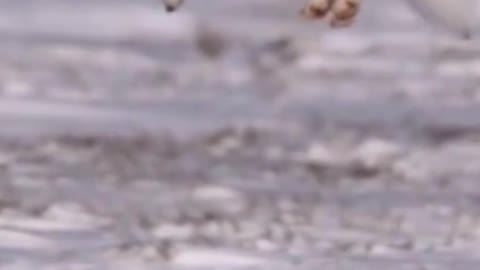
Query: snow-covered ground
(124, 147)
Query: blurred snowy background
(234, 134)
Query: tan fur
(338, 13)
(317, 9)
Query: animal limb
(339, 13)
